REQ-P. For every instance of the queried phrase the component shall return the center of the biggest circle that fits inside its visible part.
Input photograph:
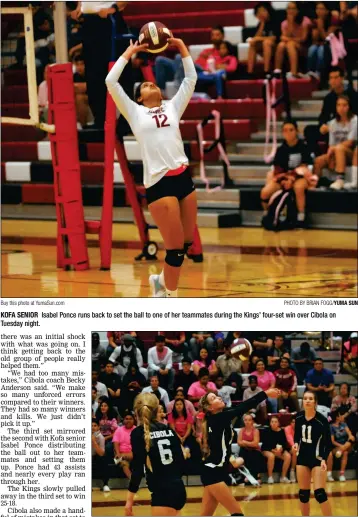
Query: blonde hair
(204, 405)
(146, 408)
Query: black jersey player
(156, 448)
(313, 444)
(216, 445)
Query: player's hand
(324, 129)
(128, 510)
(134, 48)
(103, 13)
(323, 465)
(75, 15)
(273, 393)
(295, 447)
(176, 42)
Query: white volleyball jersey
(156, 129)
(95, 7)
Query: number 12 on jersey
(161, 120)
(308, 438)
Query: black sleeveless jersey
(220, 430)
(313, 436)
(163, 464)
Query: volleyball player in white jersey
(170, 190)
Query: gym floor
(238, 262)
(272, 500)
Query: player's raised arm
(126, 106)
(187, 87)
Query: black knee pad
(320, 495)
(187, 246)
(304, 495)
(175, 258)
(237, 514)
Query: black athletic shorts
(179, 186)
(171, 496)
(308, 462)
(211, 476)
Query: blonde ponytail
(146, 407)
(204, 406)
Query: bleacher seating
(26, 169)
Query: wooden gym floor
(238, 262)
(268, 500)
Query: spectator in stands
(179, 394)
(107, 423)
(253, 360)
(184, 378)
(42, 98)
(81, 97)
(205, 361)
(349, 16)
(265, 40)
(342, 440)
(98, 351)
(290, 170)
(113, 383)
(323, 25)
(161, 414)
(126, 354)
(94, 401)
(231, 367)
(122, 443)
(99, 462)
(265, 380)
(74, 32)
(286, 381)
(260, 411)
(350, 355)
(260, 342)
(160, 363)
(176, 342)
(100, 387)
(132, 384)
(182, 423)
(97, 50)
(220, 337)
(201, 387)
(347, 405)
(314, 134)
(114, 408)
(290, 437)
(201, 340)
(342, 150)
(44, 39)
(303, 357)
(295, 34)
(217, 68)
(321, 381)
(154, 386)
(276, 352)
(115, 339)
(274, 446)
(166, 69)
(248, 439)
(225, 392)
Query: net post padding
(105, 231)
(71, 237)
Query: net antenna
(34, 119)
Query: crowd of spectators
(207, 365)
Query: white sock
(171, 294)
(354, 175)
(301, 216)
(265, 212)
(161, 278)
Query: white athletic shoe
(342, 477)
(106, 488)
(158, 291)
(338, 184)
(284, 480)
(329, 476)
(350, 186)
(292, 476)
(270, 480)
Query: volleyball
(156, 35)
(241, 349)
